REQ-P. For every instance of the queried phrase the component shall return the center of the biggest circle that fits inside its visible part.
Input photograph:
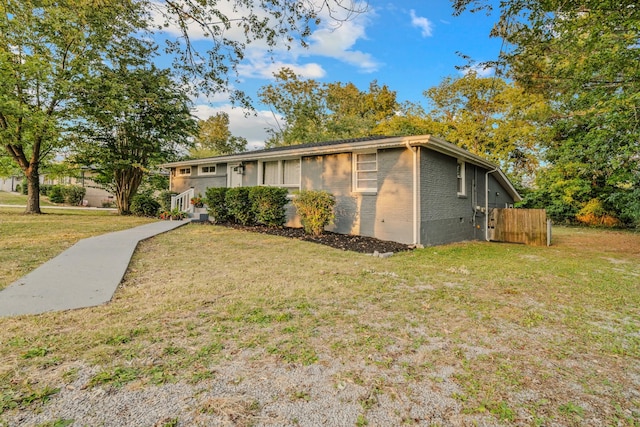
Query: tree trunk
(33, 195)
(127, 183)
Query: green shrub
(44, 189)
(24, 188)
(267, 204)
(239, 206)
(69, 194)
(144, 205)
(315, 209)
(73, 194)
(165, 199)
(56, 194)
(214, 198)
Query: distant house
(417, 189)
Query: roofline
(427, 141)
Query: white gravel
(252, 392)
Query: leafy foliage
(239, 205)
(135, 117)
(69, 194)
(214, 198)
(582, 57)
(45, 49)
(144, 205)
(315, 208)
(314, 112)
(214, 138)
(491, 118)
(267, 204)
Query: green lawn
(20, 199)
(509, 334)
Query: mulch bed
(345, 242)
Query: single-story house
(414, 190)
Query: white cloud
(422, 23)
(480, 70)
(329, 40)
(337, 42)
(263, 67)
(252, 126)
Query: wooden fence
(528, 226)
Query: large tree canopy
(45, 47)
(492, 118)
(215, 139)
(133, 118)
(583, 57)
(311, 111)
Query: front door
(235, 175)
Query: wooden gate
(528, 226)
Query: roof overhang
(426, 141)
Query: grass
(531, 336)
(16, 199)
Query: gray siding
(498, 197)
(445, 216)
(200, 183)
(386, 214)
(250, 177)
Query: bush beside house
(315, 208)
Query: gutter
(486, 203)
(416, 182)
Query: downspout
(416, 217)
(486, 203)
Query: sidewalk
(85, 275)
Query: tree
(301, 103)
(134, 118)
(491, 118)
(214, 138)
(354, 113)
(315, 112)
(583, 57)
(45, 47)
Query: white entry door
(234, 173)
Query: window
(183, 171)
(283, 173)
(291, 172)
(208, 170)
(462, 187)
(365, 172)
(270, 173)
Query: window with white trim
(280, 173)
(291, 172)
(270, 173)
(365, 172)
(460, 178)
(207, 170)
(183, 171)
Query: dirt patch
(346, 242)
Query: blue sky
(408, 45)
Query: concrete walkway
(85, 275)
